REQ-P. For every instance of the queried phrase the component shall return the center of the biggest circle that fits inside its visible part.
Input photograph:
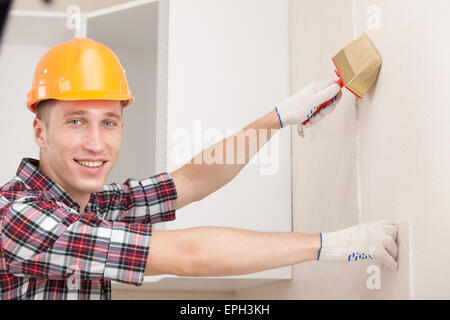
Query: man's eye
(75, 122)
(110, 123)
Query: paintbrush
(357, 66)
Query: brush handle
(323, 105)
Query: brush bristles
(363, 59)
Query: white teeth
(91, 164)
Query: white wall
(228, 66)
(405, 135)
(385, 156)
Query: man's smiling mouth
(90, 164)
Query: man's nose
(94, 140)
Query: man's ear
(122, 124)
(40, 133)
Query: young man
(65, 235)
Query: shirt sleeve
(47, 240)
(149, 200)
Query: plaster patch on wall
(402, 278)
(395, 284)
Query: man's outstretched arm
(197, 179)
(219, 251)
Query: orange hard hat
(79, 69)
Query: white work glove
(302, 104)
(371, 240)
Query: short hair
(42, 109)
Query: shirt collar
(34, 178)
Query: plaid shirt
(49, 250)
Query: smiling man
(79, 143)
(66, 235)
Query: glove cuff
(332, 248)
(290, 118)
(279, 117)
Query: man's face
(80, 143)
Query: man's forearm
(218, 251)
(233, 153)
